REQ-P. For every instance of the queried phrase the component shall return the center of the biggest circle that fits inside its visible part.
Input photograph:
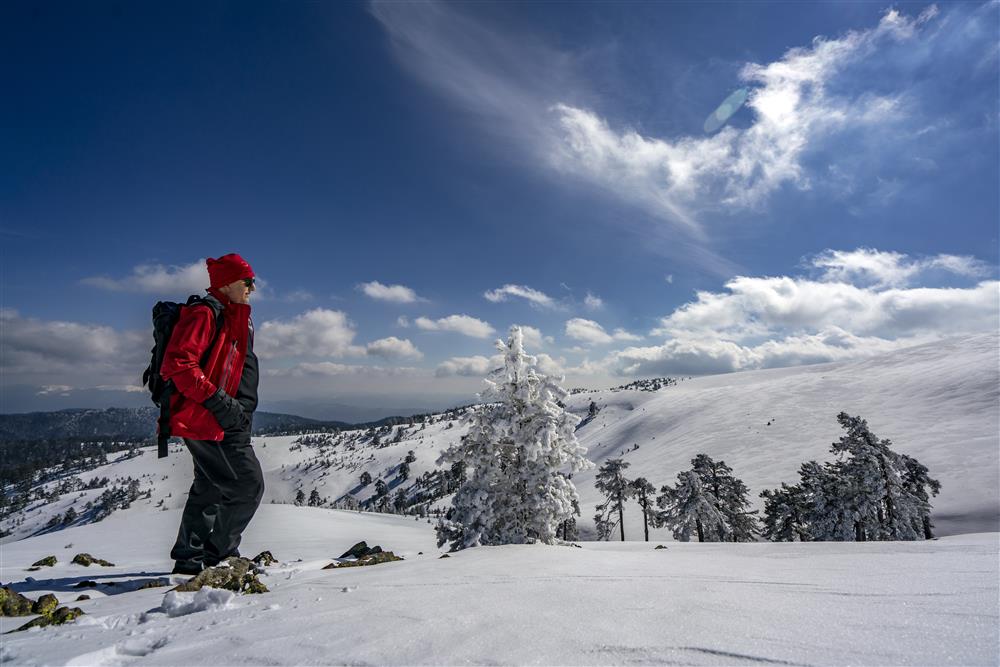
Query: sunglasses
(248, 282)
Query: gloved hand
(228, 411)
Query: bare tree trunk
(701, 532)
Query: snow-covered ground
(889, 603)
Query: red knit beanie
(227, 269)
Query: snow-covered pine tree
(616, 489)
(519, 445)
(689, 506)
(828, 512)
(732, 496)
(917, 482)
(885, 510)
(784, 509)
(644, 495)
(314, 499)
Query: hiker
(211, 363)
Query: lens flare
(726, 110)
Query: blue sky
(410, 179)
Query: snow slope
(891, 603)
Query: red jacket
(223, 366)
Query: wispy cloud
(157, 279)
(533, 296)
(593, 333)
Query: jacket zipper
(227, 368)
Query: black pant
(228, 485)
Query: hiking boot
(192, 567)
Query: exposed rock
(443, 556)
(86, 583)
(87, 560)
(81, 598)
(58, 617)
(45, 604)
(265, 558)
(659, 546)
(48, 561)
(13, 603)
(357, 551)
(33, 569)
(374, 558)
(233, 574)
(154, 583)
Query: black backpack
(165, 316)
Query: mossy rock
(371, 559)
(87, 560)
(45, 604)
(154, 583)
(265, 558)
(233, 574)
(48, 561)
(13, 603)
(58, 617)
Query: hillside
(935, 402)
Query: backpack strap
(164, 420)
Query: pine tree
(689, 506)
(644, 491)
(514, 454)
(314, 499)
(884, 509)
(381, 488)
(784, 510)
(732, 496)
(616, 489)
(404, 471)
(917, 482)
(300, 498)
(366, 478)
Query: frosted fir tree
(884, 508)
(616, 489)
(690, 507)
(828, 513)
(919, 484)
(520, 445)
(784, 512)
(732, 496)
(644, 495)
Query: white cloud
(463, 324)
(61, 389)
(593, 333)
(533, 296)
(31, 346)
(298, 296)
(157, 279)
(318, 332)
(393, 348)
(891, 269)
(593, 302)
(390, 293)
(403, 322)
(669, 278)
(533, 338)
(859, 307)
(477, 366)
(331, 369)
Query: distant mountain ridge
(127, 424)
